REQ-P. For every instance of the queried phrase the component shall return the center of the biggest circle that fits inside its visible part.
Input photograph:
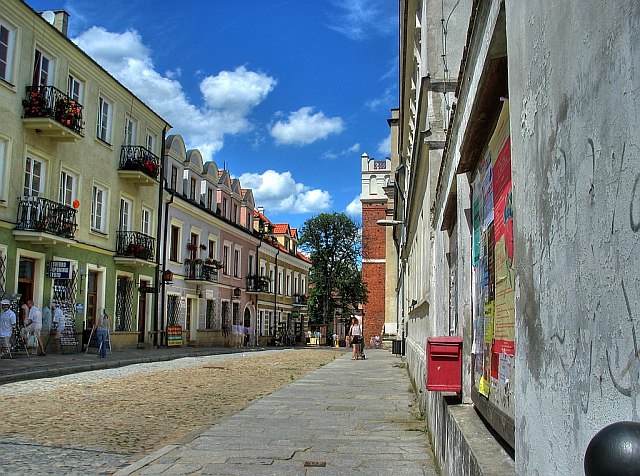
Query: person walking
(355, 332)
(34, 326)
(7, 323)
(101, 328)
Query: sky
(287, 94)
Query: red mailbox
(444, 364)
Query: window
(250, 266)
(98, 208)
(42, 69)
(175, 243)
(303, 287)
(288, 285)
(192, 194)
(235, 213)
(75, 88)
(4, 151)
(67, 193)
(174, 178)
(104, 120)
(225, 260)
(295, 285)
(130, 130)
(236, 263)
(125, 214)
(7, 41)
(212, 249)
(146, 221)
(280, 282)
(210, 199)
(150, 142)
(272, 282)
(34, 177)
(194, 241)
(224, 207)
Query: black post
(158, 233)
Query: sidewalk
(22, 367)
(348, 417)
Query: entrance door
(187, 326)
(92, 299)
(26, 273)
(142, 312)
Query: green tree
(333, 242)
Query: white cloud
(354, 209)
(359, 19)
(331, 155)
(302, 127)
(279, 192)
(228, 97)
(386, 100)
(384, 146)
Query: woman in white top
(356, 337)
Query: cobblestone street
(97, 422)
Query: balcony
(134, 248)
(138, 165)
(44, 221)
(300, 300)
(257, 284)
(53, 114)
(197, 270)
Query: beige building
(78, 179)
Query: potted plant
(192, 246)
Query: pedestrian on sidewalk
(7, 323)
(34, 326)
(355, 331)
(101, 328)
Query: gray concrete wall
(573, 80)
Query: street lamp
(385, 222)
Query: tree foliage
(333, 242)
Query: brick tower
(375, 176)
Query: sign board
(59, 269)
(79, 308)
(295, 314)
(147, 289)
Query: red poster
(503, 213)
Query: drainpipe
(163, 309)
(158, 233)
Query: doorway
(92, 299)
(187, 329)
(142, 312)
(26, 278)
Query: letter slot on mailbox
(444, 364)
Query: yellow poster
(488, 322)
(483, 387)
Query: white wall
(574, 81)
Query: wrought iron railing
(257, 284)
(136, 157)
(124, 304)
(42, 214)
(135, 244)
(199, 271)
(300, 299)
(47, 101)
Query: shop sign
(59, 269)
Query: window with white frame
(150, 142)
(174, 248)
(130, 130)
(105, 113)
(7, 46)
(75, 88)
(236, 263)
(125, 214)
(213, 248)
(226, 251)
(98, 209)
(280, 282)
(295, 284)
(146, 221)
(303, 287)
(43, 68)
(288, 285)
(272, 282)
(4, 152)
(250, 269)
(34, 177)
(67, 192)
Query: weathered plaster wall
(574, 83)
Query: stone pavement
(348, 417)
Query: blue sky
(287, 93)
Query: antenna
(49, 16)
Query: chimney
(261, 210)
(62, 21)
